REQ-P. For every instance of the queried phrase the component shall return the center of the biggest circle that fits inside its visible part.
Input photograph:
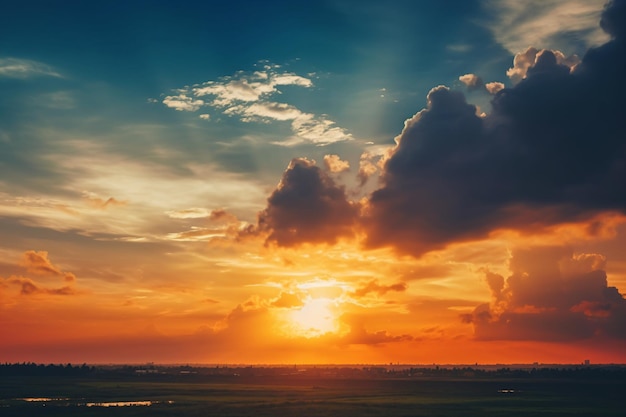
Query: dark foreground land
(30, 390)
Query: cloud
(182, 102)
(307, 206)
(409, 210)
(471, 81)
(28, 287)
(613, 17)
(257, 112)
(369, 165)
(39, 264)
(531, 57)
(197, 234)
(98, 202)
(245, 87)
(550, 152)
(224, 225)
(191, 213)
(248, 97)
(288, 300)
(318, 130)
(358, 334)
(335, 164)
(494, 87)
(570, 25)
(552, 294)
(459, 47)
(25, 68)
(374, 287)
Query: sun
(317, 316)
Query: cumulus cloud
(532, 57)
(551, 294)
(551, 151)
(471, 81)
(494, 87)
(307, 206)
(25, 68)
(408, 211)
(613, 17)
(249, 98)
(335, 164)
(369, 164)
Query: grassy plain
(194, 396)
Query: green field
(284, 396)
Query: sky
(313, 182)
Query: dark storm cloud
(307, 206)
(552, 150)
(613, 19)
(551, 294)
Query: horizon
(330, 182)
(337, 365)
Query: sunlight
(316, 317)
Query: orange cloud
(97, 202)
(373, 286)
(551, 295)
(335, 164)
(39, 264)
(29, 287)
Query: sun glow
(316, 317)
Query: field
(301, 396)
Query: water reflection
(82, 403)
(120, 404)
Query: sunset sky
(340, 181)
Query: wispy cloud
(568, 25)
(190, 213)
(249, 98)
(25, 68)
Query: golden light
(316, 317)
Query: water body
(82, 403)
